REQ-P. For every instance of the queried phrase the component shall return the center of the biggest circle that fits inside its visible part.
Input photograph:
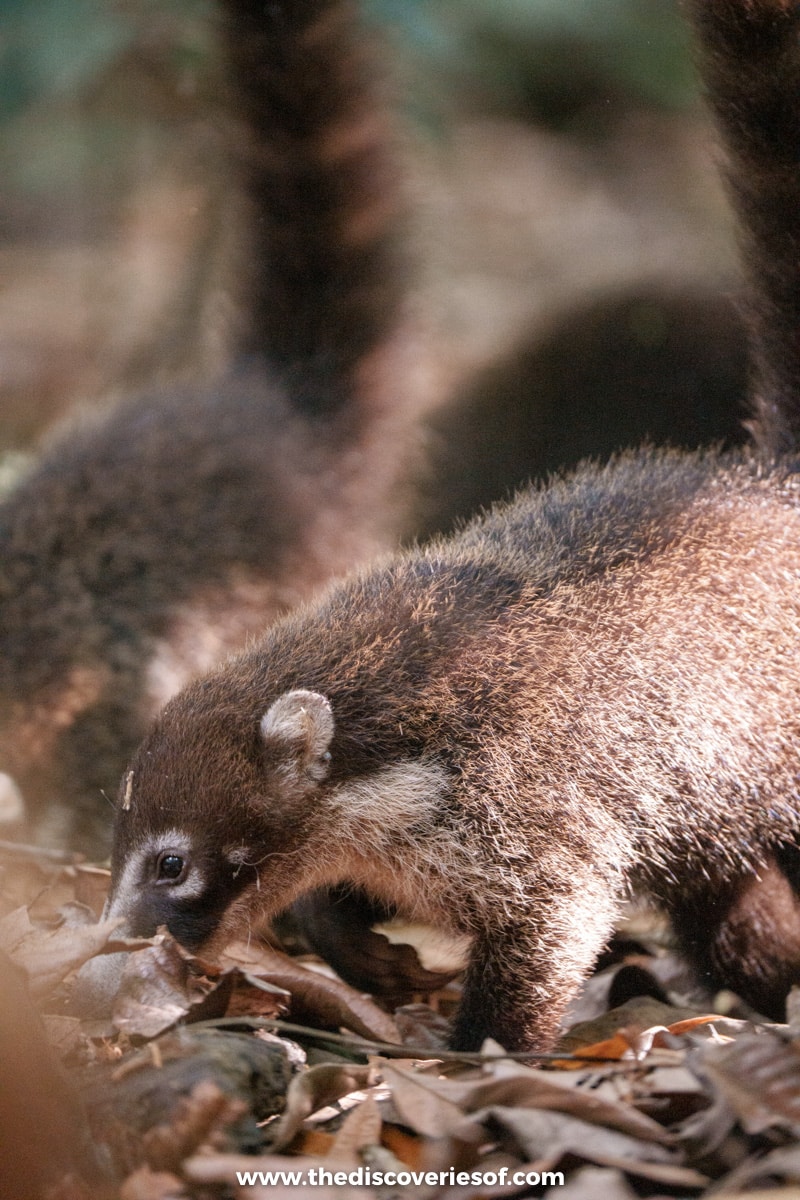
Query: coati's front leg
(523, 974)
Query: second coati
(147, 544)
(590, 691)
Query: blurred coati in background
(591, 690)
(650, 362)
(146, 544)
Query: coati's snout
(176, 881)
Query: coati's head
(216, 814)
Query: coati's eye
(170, 867)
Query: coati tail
(750, 60)
(323, 187)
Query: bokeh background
(559, 164)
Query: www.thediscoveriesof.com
(364, 1177)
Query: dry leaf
(161, 982)
(48, 955)
(312, 1142)
(527, 1091)
(20, 882)
(759, 1075)
(361, 1128)
(314, 1089)
(316, 998)
(695, 1023)
(643, 1012)
(778, 1164)
(157, 989)
(406, 1148)
(541, 1134)
(420, 1105)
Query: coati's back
(647, 593)
(146, 545)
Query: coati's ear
(297, 730)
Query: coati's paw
(370, 951)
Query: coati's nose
(12, 804)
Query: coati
(147, 544)
(588, 691)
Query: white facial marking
(138, 868)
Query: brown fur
(652, 363)
(747, 936)
(147, 544)
(325, 198)
(589, 692)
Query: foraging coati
(590, 690)
(147, 544)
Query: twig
(20, 850)
(392, 1050)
